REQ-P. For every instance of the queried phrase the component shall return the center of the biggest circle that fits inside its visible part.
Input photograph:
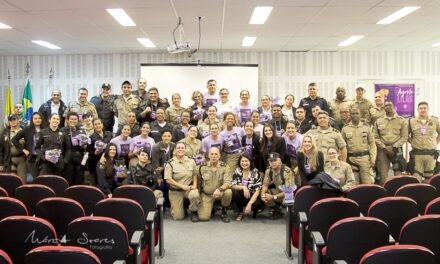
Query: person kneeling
(143, 173)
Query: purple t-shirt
(123, 146)
(265, 116)
(140, 142)
(209, 99)
(243, 112)
(209, 142)
(292, 146)
(232, 139)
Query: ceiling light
(436, 44)
(4, 26)
(46, 44)
(349, 41)
(398, 14)
(260, 14)
(122, 17)
(146, 42)
(248, 41)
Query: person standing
(147, 109)
(211, 97)
(125, 103)
(378, 109)
(336, 104)
(81, 106)
(141, 92)
(11, 158)
(363, 104)
(104, 106)
(173, 112)
(301, 123)
(53, 106)
(313, 99)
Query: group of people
(238, 154)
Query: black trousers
(240, 202)
(74, 172)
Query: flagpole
(51, 88)
(8, 102)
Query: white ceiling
(83, 26)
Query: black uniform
(49, 140)
(151, 116)
(144, 176)
(46, 110)
(74, 170)
(307, 103)
(105, 112)
(304, 126)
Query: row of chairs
(128, 207)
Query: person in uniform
(424, 135)
(390, 133)
(159, 125)
(301, 123)
(104, 106)
(142, 173)
(339, 170)
(215, 182)
(193, 144)
(106, 171)
(327, 136)
(361, 148)
(147, 109)
(132, 123)
(53, 106)
(125, 103)
(277, 174)
(313, 99)
(53, 149)
(141, 92)
(363, 104)
(173, 112)
(180, 131)
(336, 104)
(181, 175)
(377, 110)
(12, 159)
(81, 106)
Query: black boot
(277, 212)
(224, 216)
(194, 217)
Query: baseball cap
(273, 156)
(12, 117)
(106, 86)
(360, 86)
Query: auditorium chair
(305, 197)
(395, 182)
(395, 212)
(56, 183)
(11, 207)
(433, 207)
(131, 215)
(322, 215)
(145, 197)
(10, 182)
(31, 194)
(3, 192)
(349, 239)
(422, 231)
(435, 181)
(401, 254)
(59, 212)
(86, 195)
(365, 194)
(106, 237)
(4, 258)
(61, 255)
(20, 234)
(422, 193)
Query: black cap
(273, 156)
(106, 85)
(12, 117)
(86, 114)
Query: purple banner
(402, 95)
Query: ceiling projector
(179, 48)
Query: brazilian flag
(27, 102)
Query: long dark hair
(265, 140)
(43, 121)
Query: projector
(179, 48)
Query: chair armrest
(136, 239)
(318, 244)
(391, 240)
(339, 262)
(159, 202)
(318, 240)
(119, 262)
(302, 217)
(150, 216)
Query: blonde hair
(313, 155)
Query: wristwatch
(275, 197)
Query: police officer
(336, 104)
(141, 91)
(313, 99)
(143, 173)
(181, 175)
(363, 104)
(215, 183)
(301, 123)
(53, 149)
(11, 159)
(147, 109)
(424, 135)
(378, 109)
(326, 136)
(361, 148)
(104, 104)
(276, 175)
(390, 133)
(81, 106)
(125, 103)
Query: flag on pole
(9, 104)
(27, 102)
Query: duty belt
(359, 154)
(423, 151)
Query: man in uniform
(125, 103)
(390, 133)
(424, 135)
(141, 92)
(181, 175)
(104, 106)
(363, 104)
(11, 159)
(361, 148)
(276, 175)
(301, 123)
(147, 109)
(326, 136)
(378, 109)
(215, 181)
(336, 104)
(81, 106)
(313, 99)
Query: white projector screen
(185, 78)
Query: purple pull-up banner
(402, 95)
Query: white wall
(279, 72)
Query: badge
(423, 130)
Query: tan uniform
(361, 150)
(123, 105)
(325, 139)
(173, 113)
(389, 132)
(364, 106)
(375, 113)
(211, 179)
(192, 149)
(343, 173)
(204, 127)
(423, 139)
(335, 105)
(18, 160)
(80, 109)
(181, 171)
(273, 180)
